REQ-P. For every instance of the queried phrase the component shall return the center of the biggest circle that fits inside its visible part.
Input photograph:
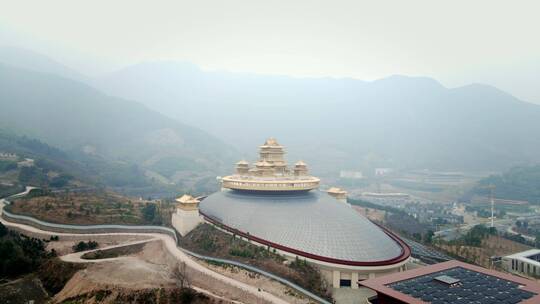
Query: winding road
(76, 257)
(169, 243)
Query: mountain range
(332, 123)
(92, 126)
(343, 124)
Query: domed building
(281, 208)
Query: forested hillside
(518, 183)
(108, 136)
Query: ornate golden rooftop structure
(270, 173)
(187, 202)
(338, 193)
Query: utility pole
(491, 187)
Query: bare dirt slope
(148, 270)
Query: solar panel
(526, 295)
(427, 298)
(461, 286)
(447, 279)
(513, 300)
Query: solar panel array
(473, 288)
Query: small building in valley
(525, 263)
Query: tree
(7, 165)
(83, 246)
(80, 246)
(428, 237)
(180, 275)
(92, 244)
(60, 181)
(20, 254)
(32, 176)
(3, 230)
(149, 212)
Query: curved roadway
(171, 246)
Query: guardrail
(85, 229)
(259, 271)
(89, 229)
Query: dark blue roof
(473, 288)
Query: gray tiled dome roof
(311, 222)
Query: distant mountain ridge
(81, 120)
(51, 167)
(29, 60)
(339, 124)
(518, 183)
(399, 121)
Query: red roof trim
(405, 250)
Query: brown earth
(113, 252)
(154, 262)
(207, 240)
(23, 290)
(144, 277)
(86, 208)
(370, 213)
(493, 245)
(65, 243)
(262, 282)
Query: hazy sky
(456, 42)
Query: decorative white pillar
(354, 280)
(187, 216)
(336, 277)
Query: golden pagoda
(270, 173)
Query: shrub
(3, 230)
(83, 246)
(20, 254)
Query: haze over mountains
(89, 124)
(404, 122)
(334, 124)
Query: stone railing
(270, 185)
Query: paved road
(170, 244)
(455, 232)
(150, 230)
(76, 257)
(527, 237)
(426, 254)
